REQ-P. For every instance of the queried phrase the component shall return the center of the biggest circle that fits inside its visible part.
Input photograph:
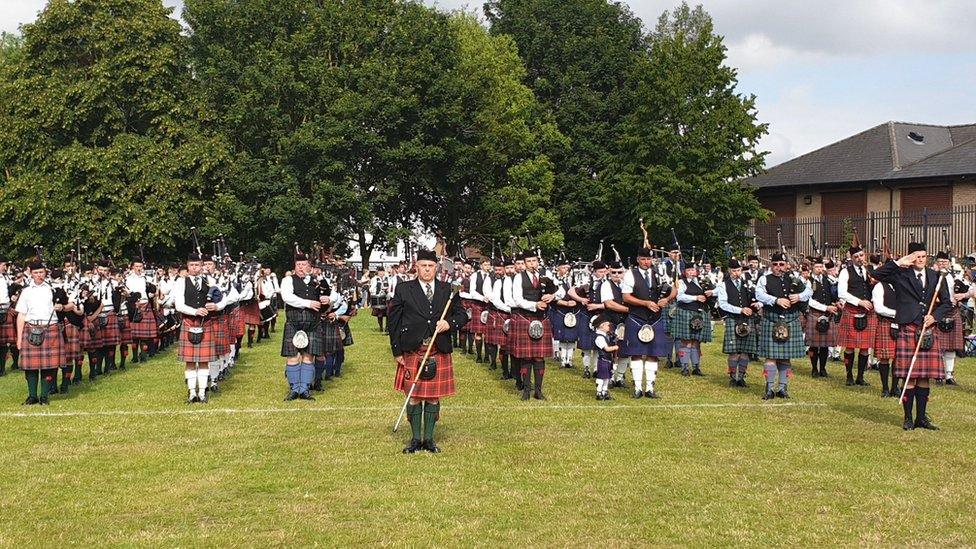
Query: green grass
(832, 468)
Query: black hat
(426, 255)
(563, 260)
(529, 253)
(299, 256)
(752, 257)
(193, 256)
(597, 265)
(135, 260)
(734, 264)
(497, 263)
(689, 265)
(778, 256)
(942, 255)
(645, 252)
(829, 264)
(615, 265)
(875, 258)
(854, 249)
(916, 247)
(459, 259)
(508, 260)
(35, 264)
(816, 259)
(102, 263)
(599, 319)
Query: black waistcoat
(821, 291)
(530, 293)
(857, 286)
(692, 288)
(195, 298)
(644, 292)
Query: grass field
(125, 462)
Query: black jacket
(911, 303)
(413, 317)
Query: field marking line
(392, 409)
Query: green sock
(430, 418)
(32, 377)
(46, 376)
(414, 415)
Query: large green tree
(99, 135)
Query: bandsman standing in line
(533, 332)
(590, 297)
(737, 300)
(950, 330)
(145, 328)
(645, 337)
(564, 334)
(302, 305)
(858, 323)
(39, 334)
(821, 328)
(780, 331)
(883, 299)
(193, 299)
(692, 321)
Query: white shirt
(36, 304)
(4, 292)
(843, 279)
(877, 298)
(507, 295)
(136, 283)
(474, 290)
(814, 304)
(289, 297)
(601, 340)
(683, 297)
(498, 295)
(523, 303)
(723, 296)
(178, 295)
(606, 290)
(627, 284)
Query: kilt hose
(206, 350)
(523, 346)
(48, 355)
(851, 338)
(251, 313)
(73, 348)
(928, 364)
(302, 319)
(107, 335)
(733, 344)
(8, 330)
(441, 386)
(952, 340)
(816, 338)
(147, 327)
(495, 335)
(681, 326)
(884, 344)
(772, 349)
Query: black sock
(47, 377)
(823, 354)
(907, 402)
(14, 356)
(862, 366)
(921, 401)
(883, 370)
(849, 365)
(814, 355)
(32, 377)
(504, 364)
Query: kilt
(50, 354)
(661, 345)
(304, 319)
(206, 350)
(125, 331)
(928, 364)
(559, 330)
(8, 330)
(953, 340)
(222, 339)
(848, 337)
(475, 325)
(235, 324)
(468, 304)
(72, 347)
(793, 348)
(681, 330)
(441, 386)
(251, 313)
(147, 328)
(108, 335)
(495, 334)
(815, 338)
(884, 346)
(523, 346)
(329, 334)
(586, 337)
(735, 344)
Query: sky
(821, 70)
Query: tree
(99, 135)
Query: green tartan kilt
(735, 344)
(680, 326)
(794, 348)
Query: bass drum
(266, 310)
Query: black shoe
(862, 383)
(607, 396)
(923, 423)
(768, 395)
(292, 395)
(783, 394)
(885, 394)
(849, 382)
(43, 401)
(526, 392)
(306, 396)
(213, 388)
(670, 364)
(814, 373)
(732, 382)
(823, 373)
(697, 372)
(741, 383)
(951, 381)
(190, 399)
(908, 425)
(685, 372)
(431, 447)
(203, 399)
(939, 381)
(638, 394)
(651, 394)
(412, 448)
(317, 387)
(599, 396)
(586, 372)
(31, 401)
(54, 389)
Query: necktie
(535, 280)
(647, 278)
(737, 285)
(920, 280)
(430, 292)
(197, 283)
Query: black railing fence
(833, 234)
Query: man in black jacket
(914, 286)
(414, 318)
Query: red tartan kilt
(236, 324)
(251, 313)
(8, 330)
(495, 334)
(107, 336)
(814, 338)
(441, 386)
(50, 354)
(475, 324)
(884, 346)
(523, 346)
(206, 350)
(954, 340)
(848, 337)
(72, 347)
(468, 304)
(221, 334)
(147, 327)
(125, 332)
(928, 364)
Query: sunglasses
(779, 263)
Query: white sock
(637, 369)
(202, 375)
(555, 347)
(191, 382)
(213, 370)
(650, 370)
(586, 359)
(950, 362)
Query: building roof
(889, 151)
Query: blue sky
(822, 70)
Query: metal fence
(833, 234)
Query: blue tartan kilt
(559, 330)
(680, 328)
(329, 332)
(586, 337)
(307, 320)
(732, 343)
(661, 345)
(793, 348)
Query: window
(933, 203)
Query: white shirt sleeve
(606, 292)
(683, 297)
(601, 342)
(474, 292)
(843, 281)
(723, 300)
(178, 293)
(762, 295)
(498, 295)
(4, 292)
(877, 298)
(816, 305)
(520, 301)
(627, 284)
(289, 297)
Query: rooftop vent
(916, 137)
